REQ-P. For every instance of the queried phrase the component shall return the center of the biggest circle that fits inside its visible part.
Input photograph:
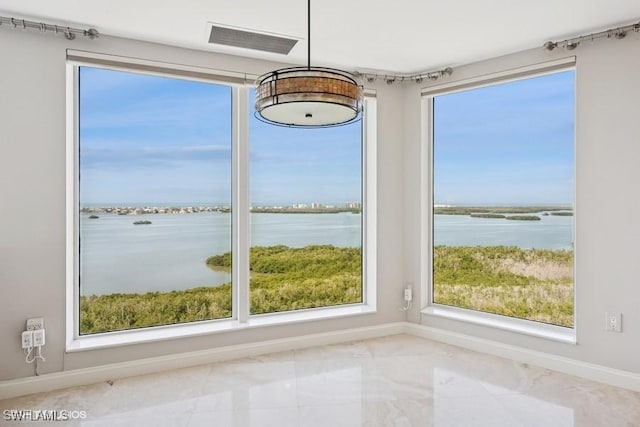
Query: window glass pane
(155, 199)
(306, 219)
(503, 199)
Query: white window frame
(428, 307)
(241, 318)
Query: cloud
(147, 137)
(152, 157)
(160, 111)
(118, 102)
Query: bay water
(117, 256)
(171, 252)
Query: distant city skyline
(147, 204)
(165, 140)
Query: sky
(157, 140)
(507, 144)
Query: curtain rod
(570, 44)
(418, 78)
(69, 32)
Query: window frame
(240, 229)
(428, 307)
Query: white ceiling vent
(235, 37)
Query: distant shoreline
(476, 211)
(468, 210)
(223, 209)
(305, 210)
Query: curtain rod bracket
(70, 33)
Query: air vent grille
(251, 40)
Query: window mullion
(426, 221)
(240, 203)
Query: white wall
(607, 200)
(32, 202)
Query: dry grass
(549, 304)
(529, 284)
(540, 269)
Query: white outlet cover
(613, 322)
(35, 323)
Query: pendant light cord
(309, 34)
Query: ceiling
(399, 36)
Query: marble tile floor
(399, 380)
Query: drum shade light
(308, 97)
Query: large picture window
(186, 210)
(503, 191)
(154, 200)
(306, 216)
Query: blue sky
(511, 143)
(152, 139)
(148, 139)
(304, 165)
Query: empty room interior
(320, 213)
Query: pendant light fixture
(308, 97)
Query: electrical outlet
(35, 324)
(408, 295)
(38, 338)
(27, 339)
(613, 322)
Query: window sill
(526, 327)
(161, 333)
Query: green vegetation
(562, 213)
(523, 218)
(115, 312)
(502, 216)
(487, 215)
(534, 284)
(282, 279)
(468, 210)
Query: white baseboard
(603, 374)
(77, 377)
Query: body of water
(170, 254)
(551, 232)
